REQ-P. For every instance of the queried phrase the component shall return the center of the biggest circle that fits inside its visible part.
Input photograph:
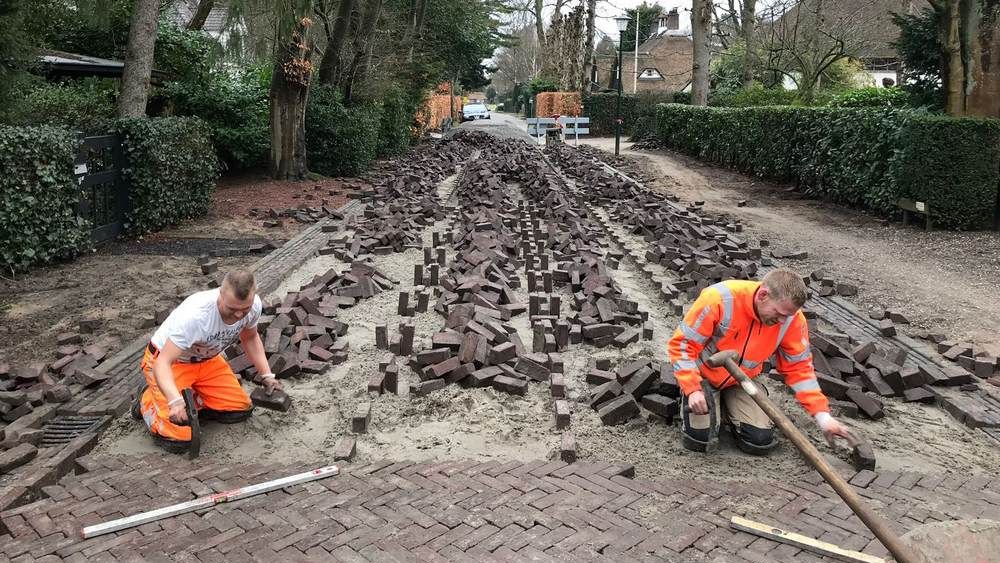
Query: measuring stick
(206, 502)
(800, 541)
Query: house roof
(182, 11)
(662, 40)
(867, 22)
(60, 63)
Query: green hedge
(38, 197)
(601, 109)
(952, 164)
(862, 157)
(340, 141)
(87, 104)
(171, 168)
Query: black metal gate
(104, 197)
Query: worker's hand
(833, 428)
(696, 402)
(271, 384)
(178, 412)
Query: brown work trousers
(738, 408)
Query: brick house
(664, 61)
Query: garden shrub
(38, 197)
(86, 105)
(396, 118)
(236, 110)
(340, 141)
(755, 96)
(871, 97)
(171, 170)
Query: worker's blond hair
(785, 284)
(240, 282)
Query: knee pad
(756, 436)
(754, 440)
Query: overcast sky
(607, 10)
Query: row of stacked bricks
(700, 250)
(604, 315)
(401, 204)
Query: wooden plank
(206, 502)
(801, 542)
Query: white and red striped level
(206, 502)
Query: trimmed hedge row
(171, 169)
(38, 197)
(864, 157)
(601, 109)
(952, 164)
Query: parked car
(471, 112)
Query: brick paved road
(462, 511)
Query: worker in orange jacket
(756, 319)
(186, 352)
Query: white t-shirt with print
(197, 328)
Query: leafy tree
(920, 47)
(13, 49)
(649, 14)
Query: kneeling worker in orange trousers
(185, 352)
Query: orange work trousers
(215, 387)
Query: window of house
(650, 74)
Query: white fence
(571, 126)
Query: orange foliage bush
(548, 104)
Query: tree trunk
(138, 59)
(363, 40)
(588, 49)
(540, 33)
(701, 26)
(419, 13)
(955, 73)
(200, 15)
(748, 22)
(336, 36)
(289, 94)
(984, 98)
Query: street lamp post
(622, 22)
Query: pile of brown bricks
(401, 204)
(23, 388)
(643, 382)
(477, 346)
(301, 334)
(303, 213)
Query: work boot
(172, 446)
(693, 444)
(225, 417)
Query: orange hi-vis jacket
(723, 318)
